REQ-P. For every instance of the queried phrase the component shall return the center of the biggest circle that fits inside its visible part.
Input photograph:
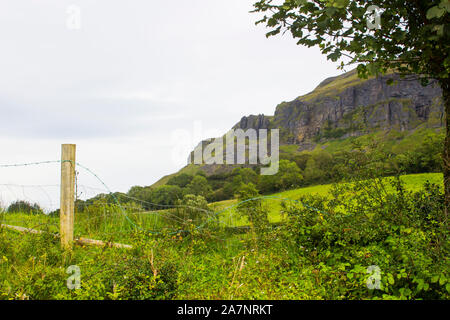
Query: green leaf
(435, 12)
(435, 279)
(445, 4)
(334, 56)
(301, 2)
(439, 29)
(330, 11)
(390, 279)
(420, 284)
(341, 3)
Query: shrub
(198, 186)
(191, 210)
(251, 206)
(370, 222)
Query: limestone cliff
(347, 106)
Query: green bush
(402, 233)
(251, 206)
(191, 210)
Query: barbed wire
(213, 215)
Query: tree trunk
(445, 85)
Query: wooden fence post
(67, 204)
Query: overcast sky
(130, 78)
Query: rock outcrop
(347, 106)
(254, 122)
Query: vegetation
(24, 207)
(393, 152)
(411, 38)
(342, 220)
(322, 248)
(363, 235)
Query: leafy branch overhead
(413, 37)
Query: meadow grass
(212, 264)
(413, 182)
(116, 225)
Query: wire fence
(103, 214)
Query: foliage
(192, 210)
(251, 206)
(412, 37)
(424, 157)
(288, 176)
(166, 195)
(320, 249)
(403, 233)
(181, 180)
(198, 186)
(24, 207)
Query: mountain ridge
(345, 106)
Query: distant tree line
(26, 207)
(296, 169)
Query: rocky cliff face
(347, 106)
(254, 122)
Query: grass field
(114, 222)
(413, 182)
(208, 264)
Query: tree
(165, 196)
(142, 194)
(21, 206)
(289, 175)
(198, 186)
(181, 180)
(312, 171)
(248, 175)
(268, 184)
(411, 39)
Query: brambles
(191, 210)
(251, 207)
(323, 247)
(401, 232)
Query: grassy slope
(334, 86)
(393, 140)
(413, 182)
(226, 209)
(189, 169)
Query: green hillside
(399, 125)
(226, 210)
(413, 182)
(311, 256)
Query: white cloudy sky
(135, 73)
